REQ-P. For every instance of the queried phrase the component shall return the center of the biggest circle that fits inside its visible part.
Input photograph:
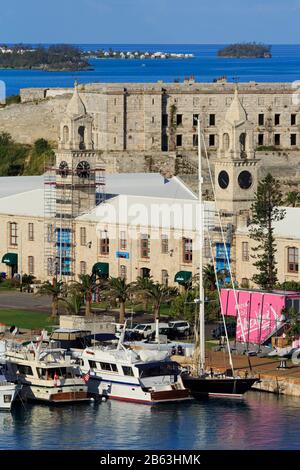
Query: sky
(150, 21)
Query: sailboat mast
(201, 244)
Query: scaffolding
(67, 195)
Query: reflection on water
(260, 421)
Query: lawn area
(24, 319)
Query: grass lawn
(24, 319)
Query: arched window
(243, 137)
(81, 133)
(65, 134)
(226, 141)
(164, 277)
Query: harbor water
(284, 66)
(259, 421)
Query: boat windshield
(55, 372)
(153, 369)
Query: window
(123, 241)
(153, 101)
(127, 371)
(277, 119)
(24, 370)
(7, 398)
(179, 119)
(30, 232)
(293, 260)
(277, 139)
(115, 119)
(164, 277)
(212, 120)
(195, 140)
(187, 250)
(165, 120)
(123, 271)
(261, 101)
(82, 267)
(13, 233)
(206, 248)
(179, 140)
(49, 233)
(50, 267)
(104, 243)
(30, 265)
(109, 367)
(245, 283)
(195, 119)
(260, 139)
(245, 251)
(145, 246)
(92, 364)
(164, 244)
(153, 119)
(82, 236)
(293, 119)
(293, 139)
(211, 140)
(261, 119)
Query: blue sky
(150, 21)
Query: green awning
(11, 259)
(183, 277)
(101, 269)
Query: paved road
(25, 301)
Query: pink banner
(260, 313)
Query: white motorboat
(148, 377)
(8, 392)
(46, 375)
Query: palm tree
(141, 288)
(160, 294)
(73, 302)
(86, 286)
(118, 289)
(56, 290)
(209, 278)
(293, 198)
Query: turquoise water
(284, 66)
(260, 421)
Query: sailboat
(203, 383)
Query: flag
(86, 377)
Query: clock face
(245, 179)
(63, 169)
(83, 169)
(223, 179)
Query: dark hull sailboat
(227, 387)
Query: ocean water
(260, 421)
(284, 66)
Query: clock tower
(77, 179)
(236, 166)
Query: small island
(53, 58)
(138, 54)
(246, 50)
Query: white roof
(26, 203)
(154, 212)
(11, 185)
(135, 184)
(289, 227)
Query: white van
(146, 329)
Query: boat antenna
(200, 238)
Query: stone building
(65, 230)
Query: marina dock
(278, 381)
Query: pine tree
(265, 211)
